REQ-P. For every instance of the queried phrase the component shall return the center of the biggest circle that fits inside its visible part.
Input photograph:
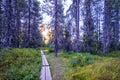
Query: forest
(80, 39)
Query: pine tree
(88, 28)
(1, 23)
(75, 12)
(115, 24)
(19, 18)
(107, 27)
(56, 29)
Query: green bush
(67, 54)
(50, 50)
(20, 64)
(99, 52)
(81, 60)
(114, 54)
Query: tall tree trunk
(17, 19)
(56, 30)
(1, 26)
(107, 27)
(116, 27)
(77, 26)
(9, 20)
(89, 27)
(29, 23)
(98, 27)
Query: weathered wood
(45, 70)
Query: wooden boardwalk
(45, 70)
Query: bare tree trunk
(116, 36)
(1, 26)
(56, 30)
(107, 27)
(89, 27)
(29, 24)
(9, 17)
(98, 27)
(17, 19)
(77, 25)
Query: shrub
(20, 64)
(50, 50)
(81, 60)
(67, 54)
(114, 54)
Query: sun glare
(46, 33)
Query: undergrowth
(85, 66)
(20, 64)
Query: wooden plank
(45, 60)
(48, 77)
(42, 76)
(45, 70)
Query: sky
(47, 19)
(67, 5)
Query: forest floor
(20, 64)
(25, 64)
(84, 66)
(57, 65)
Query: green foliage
(44, 44)
(98, 71)
(81, 60)
(49, 49)
(93, 67)
(20, 64)
(67, 54)
(99, 52)
(114, 54)
(31, 44)
(78, 59)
